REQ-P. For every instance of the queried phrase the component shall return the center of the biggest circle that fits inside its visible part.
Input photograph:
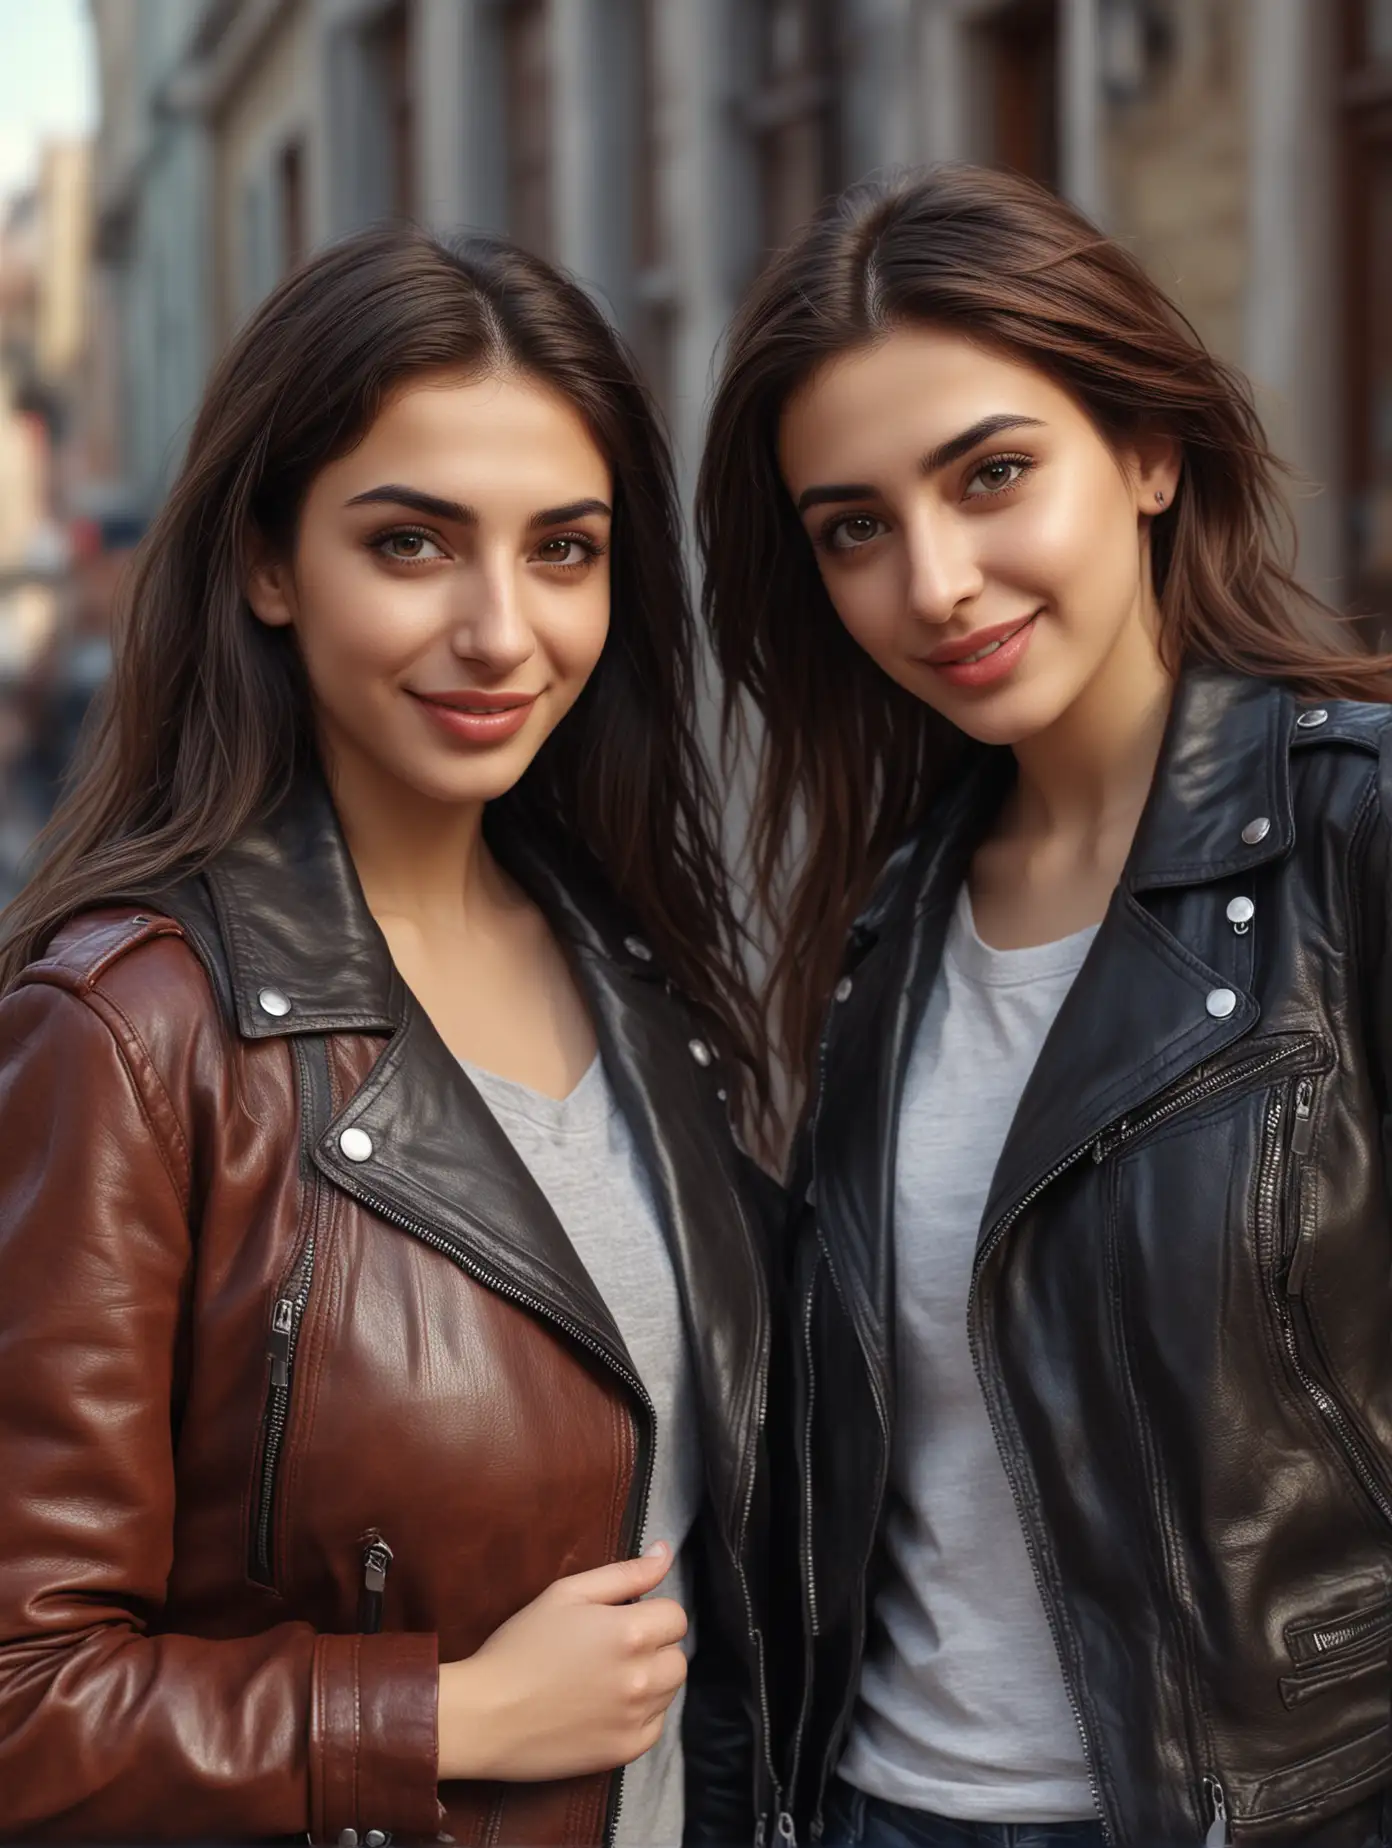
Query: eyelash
(592, 548)
(827, 537)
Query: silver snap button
(843, 988)
(376, 1838)
(1241, 911)
(1315, 716)
(356, 1144)
(1256, 831)
(271, 1001)
(348, 1838)
(723, 1095)
(1221, 1002)
(700, 1052)
(636, 947)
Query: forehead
(919, 386)
(443, 432)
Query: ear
(270, 590)
(1154, 472)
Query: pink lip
(494, 718)
(1014, 639)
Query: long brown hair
(849, 760)
(206, 719)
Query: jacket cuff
(373, 1755)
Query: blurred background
(163, 162)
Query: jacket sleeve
(110, 1728)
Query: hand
(579, 1680)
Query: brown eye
(995, 476)
(567, 550)
(407, 546)
(853, 530)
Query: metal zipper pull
(1218, 1830)
(787, 1830)
(377, 1556)
(1304, 1132)
(282, 1333)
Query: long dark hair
(849, 760)
(206, 720)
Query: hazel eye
(409, 547)
(996, 475)
(853, 530)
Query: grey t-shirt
(582, 1157)
(963, 1709)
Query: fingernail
(654, 1551)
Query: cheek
(1079, 542)
(869, 599)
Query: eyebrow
(946, 453)
(396, 494)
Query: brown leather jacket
(302, 1387)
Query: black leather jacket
(1181, 1307)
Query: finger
(658, 1622)
(621, 1582)
(668, 1674)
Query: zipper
(1200, 1091)
(1325, 1403)
(996, 1234)
(1303, 1135)
(1352, 1630)
(511, 1293)
(281, 1343)
(843, 1718)
(377, 1558)
(1219, 1831)
(809, 1581)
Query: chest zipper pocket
(288, 1311)
(1297, 1337)
(1270, 1061)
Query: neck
(418, 861)
(1086, 777)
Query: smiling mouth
(984, 654)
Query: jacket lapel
(1136, 1019)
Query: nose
(944, 568)
(491, 628)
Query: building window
(290, 184)
(527, 107)
(387, 43)
(1367, 111)
(791, 113)
(1018, 46)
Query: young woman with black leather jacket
(1086, 975)
(382, 1296)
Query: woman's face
(449, 588)
(976, 535)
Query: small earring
(1159, 498)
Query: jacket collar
(1224, 768)
(295, 927)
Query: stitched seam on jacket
(130, 1041)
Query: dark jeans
(854, 1820)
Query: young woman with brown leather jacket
(1086, 972)
(382, 1298)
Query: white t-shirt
(963, 1710)
(582, 1157)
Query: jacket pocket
(282, 1344)
(377, 1557)
(311, 1058)
(1329, 1653)
(1248, 1066)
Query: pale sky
(47, 81)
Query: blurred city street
(164, 162)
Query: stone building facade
(660, 147)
